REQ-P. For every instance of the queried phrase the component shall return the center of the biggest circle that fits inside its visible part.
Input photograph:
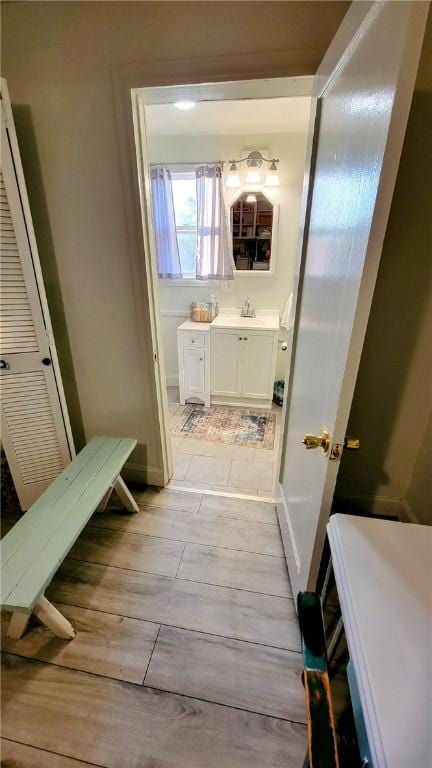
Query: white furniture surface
(383, 573)
(264, 321)
(193, 341)
(243, 357)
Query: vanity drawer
(191, 339)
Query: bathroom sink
(268, 321)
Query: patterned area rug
(222, 424)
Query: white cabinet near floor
(243, 364)
(194, 362)
(226, 362)
(258, 364)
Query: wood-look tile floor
(187, 646)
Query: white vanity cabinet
(194, 361)
(243, 363)
(226, 352)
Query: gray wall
(391, 410)
(58, 59)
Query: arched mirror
(253, 228)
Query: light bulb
(253, 176)
(272, 179)
(233, 178)
(185, 106)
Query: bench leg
(125, 495)
(103, 504)
(53, 619)
(18, 625)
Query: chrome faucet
(247, 310)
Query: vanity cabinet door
(259, 361)
(226, 351)
(194, 372)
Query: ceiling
(280, 115)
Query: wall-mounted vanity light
(254, 161)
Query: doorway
(223, 374)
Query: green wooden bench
(33, 549)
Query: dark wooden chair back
(322, 745)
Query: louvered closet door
(33, 429)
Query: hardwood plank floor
(163, 497)
(128, 550)
(184, 526)
(16, 755)
(241, 509)
(105, 644)
(115, 724)
(229, 671)
(230, 568)
(216, 610)
(187, 646)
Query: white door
(194, 371)
(35, 427)
(226, 351)
(364, 87)
(259, 350)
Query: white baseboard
(245, 402)
(409, 516)
(288, 540)
(172, 379)
(136, 473)
(374, 505)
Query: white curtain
(167, 253)
(214, 259)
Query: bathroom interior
(226, 179)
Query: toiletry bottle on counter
(212, 308)
(204, 312)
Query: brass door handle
(321, 441)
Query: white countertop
(383, 572)
(265, 320)
(190, 325)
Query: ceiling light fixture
(185, 106)
(251, 199)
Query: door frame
(161, 82)
(355, 24)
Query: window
(185, 207)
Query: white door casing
(158, 82)
(364, 90)
(36, 433)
